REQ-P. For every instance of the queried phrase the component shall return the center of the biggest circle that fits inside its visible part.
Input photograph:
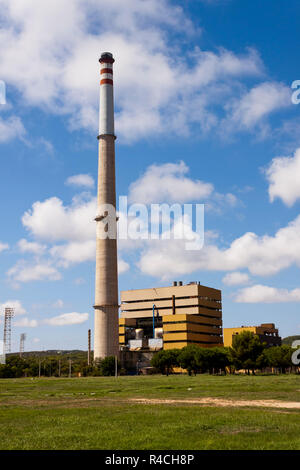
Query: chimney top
(106, 57)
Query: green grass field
(97, 413)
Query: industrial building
(170, 317)
(266, 332)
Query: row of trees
(54, 366)
(247, 353)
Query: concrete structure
(106, 291)
(266, 331)
(182, 315)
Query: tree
(279, 357)
(107, 366)
(190, 359)
(219, 359)
(204, 359)
(165, 360)
(246, 351)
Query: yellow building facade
(171, 317)
(266, 332)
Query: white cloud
(26, 323)
(261, 255)
(52, 221)
(15, 304)
(235, 278)
(84, 180)
(122, 266)
(255, 105)
(283, 176)
(3, 246)
(36, 340)
(26, 272)
(63, 63)
(74, 224)
(167, 257)
(73, 318)
(168, 183)
(31, 247)
(265, 294)
(46, 146)
(11, 128)
(74, 252)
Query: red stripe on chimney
(106, 71)
(105, 81)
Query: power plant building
(170, 317)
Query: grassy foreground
(96, 413)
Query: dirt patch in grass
(220, 402)
(96, 402)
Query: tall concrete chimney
(106, 338)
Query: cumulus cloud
(157, 256)
(235, 278)
(170, 183)
(27, 272)
(265, 294)
(283, 177)
(11, 128)
(26, 323)
(3, 246)
(31, 247)
(73, 318)
(63, 71)
(51, 221)
(74, 252)
(261, 255)
(255, 105)
(122, 266)
(73, 224)
(82, 180)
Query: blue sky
(202, 85)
